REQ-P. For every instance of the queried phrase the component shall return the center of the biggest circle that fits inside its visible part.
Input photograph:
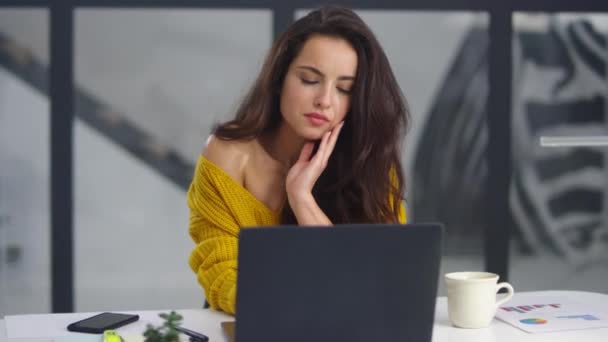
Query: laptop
(359, 282)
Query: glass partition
(25, 279)
(558, 194)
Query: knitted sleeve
(402, 213)
(402, 217)
(214, 230)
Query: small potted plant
(167, 332)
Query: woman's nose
(323, 99)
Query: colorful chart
(585, 317)
(533, 321)
(526, 308)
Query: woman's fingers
(305, 172)
(320, 155)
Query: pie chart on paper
(533, 321)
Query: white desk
(45, 327)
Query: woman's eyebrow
(318, 72)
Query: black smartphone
(104, 321)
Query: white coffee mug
(472, 298)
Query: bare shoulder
(231, 156)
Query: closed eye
(306, 81)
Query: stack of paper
(537, 314)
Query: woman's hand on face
(304, 173)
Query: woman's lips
(316, 119)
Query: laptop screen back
(344, 283)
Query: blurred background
(149, 83)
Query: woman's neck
(283, 145)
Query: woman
(315, 142)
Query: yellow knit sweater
(219, 206)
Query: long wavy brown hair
(364, 180)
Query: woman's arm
(215, 233)
(213, 226)
(214, 260)
(304, 174)
(308, 212)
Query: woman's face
(315, 95)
